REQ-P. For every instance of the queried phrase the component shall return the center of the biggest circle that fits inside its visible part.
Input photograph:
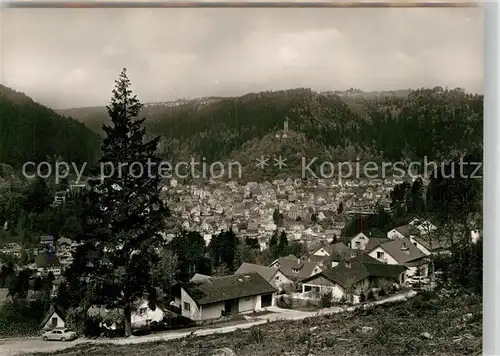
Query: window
(247, 299)
(380, 255)
(143, 311)
(295, 270)
(187, 306)
(358, 243)
(277, 278)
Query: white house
(475, 235)
(359, 241)
(216, 297)
(423, 226)
(55, 318)
(403, 231)
(434, 247)
(144, 315)
(351, 278)
(296, 269)
(402, 252)
(272, 275)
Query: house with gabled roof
(359, 241)
(331, 255)
(432, 246)
(403, 231)
(215, 297)
(272, 275)
(296, 269)
(352, 278)
(402, 252)
(55, 318)
(374, 242)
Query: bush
(427, 295)
(362, 298)
(284, 302)
(325, 300)
(370, 295)
(382, 293)
(256, 336)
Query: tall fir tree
(125, 215)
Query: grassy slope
(396, 331)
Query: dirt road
(11, 347)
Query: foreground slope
(440, 326)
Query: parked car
(59, 334)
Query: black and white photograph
(245, 181)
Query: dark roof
(45, 259)
(343, 275)
(384, 270)
(219, 289)
(266, 272)
(337, 252)
(365, 258)
(53, 309)
(407, 230)
(288, 264)
(359, 269)
(435, 244)
(402, 250)
(317, 259)
(374, 242)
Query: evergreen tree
(340, 208)
(125, 214)
(38, 196)
(417, 196)
(223, 249)
(190, 249)
(273, 245)
(253, 243)
(282, 245)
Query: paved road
(11, 347)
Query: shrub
(382, 293)
(256, 336)
(428, 295)
(362, 298)
(370, 295)
(325, 300)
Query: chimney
(247, 278)
(347, 264)
(298, 261)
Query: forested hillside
(32, 132)
(435, 123)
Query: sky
(67, 58)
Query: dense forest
(32, 132)
(410, 125)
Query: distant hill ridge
(32, 132)
(334, 125)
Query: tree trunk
(127, 319)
